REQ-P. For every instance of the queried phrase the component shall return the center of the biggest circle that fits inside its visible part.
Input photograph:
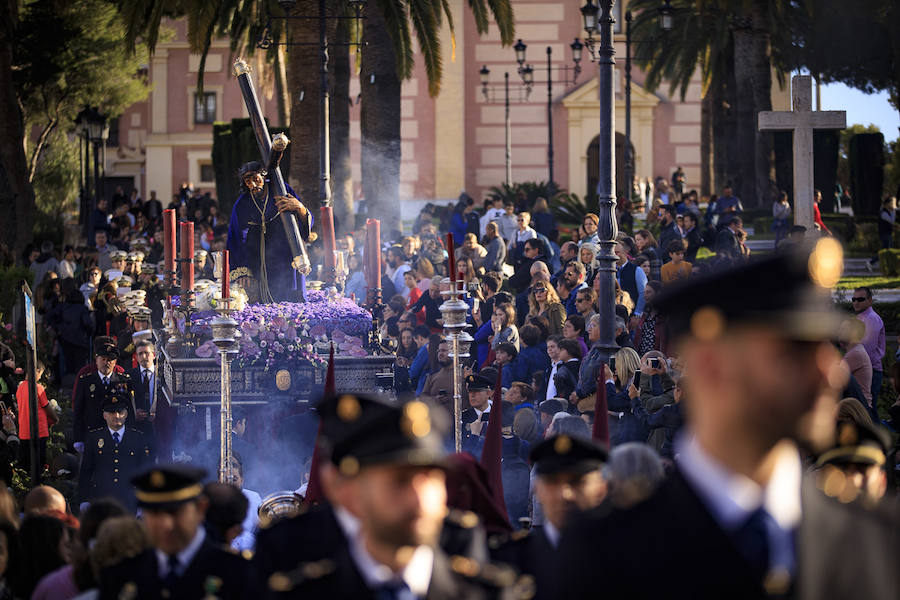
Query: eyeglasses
(863, 299)
(540, 290)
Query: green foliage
(56, 186)
(10, 278)
(889, 261)
(886, 282)
(530, 190)
(866, 155)
(234, 144)
(73, 54)
(569, 209)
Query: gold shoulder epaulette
(285, 581)
(463, 518)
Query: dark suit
(727, 246)
(87, 401)
(669, 546)
(143, 396)
(212, 571)
(107, 469)
(152, 210)
(533, 555)
(667, 235)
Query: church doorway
(593, 164)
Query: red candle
(373, 253)
(226, 274)
(328, 244)
(169, 245)
(451, 257)
(187, 258)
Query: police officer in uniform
(739, 517)
(113, 454)
(182, 562)
(569, 478)
(391, 460)
(91, 389)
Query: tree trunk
(752, 69)
(282, 90)
(16, 193)
(304, 76)
(706, 143)
(380, 125)
(341, 172)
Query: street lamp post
(485, 89)
(628, 169)
(606, 185)
(96, 132)
(526, 72)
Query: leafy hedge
(889, 261)
(10, 277)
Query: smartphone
(612, 364)
(654, 362)
(637, 378)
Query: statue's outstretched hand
(290, 204)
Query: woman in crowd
(10, 559)
(424, 273)
(543, 301)
(503, 324)
(623, 425)
(73, 324)
(45, 548)
(650, 330)
(542, 220)
(356, 279)
(412, 291)
(587, 254)
(573, 329)
(648, 246)
(406, 353)
(495, 248)
(472, 250)
(781, 214)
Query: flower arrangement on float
(284, 332)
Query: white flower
(263, 343)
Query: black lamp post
(83, 168)
(606, 185)
(485, 74)
(526, 72)
(357, 6)
(96, 131)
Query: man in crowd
(584, 303)
(567, 253)
(113, 454)
(574, 277)
(431, 302)
(397, 266)
(668, 232)
(727, 203)
(692, 237)
(532, 254)
(859, 455)
(569, 479)
(182, 562)
(631, 279)
(728, 248)
(873, 340)
(736, 517)
(439, 385)
(91, 387)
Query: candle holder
(375, 306)
(224, 330)
(455, 311)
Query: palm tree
(734, 44)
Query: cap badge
(847, 435)
(157, 479)
(348, 408)
(562, 445)
(349, 466)
(416, 421)
(707, 323)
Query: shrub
(10, 278)
(889, 261)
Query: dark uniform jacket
(106, 470)
(213, 573)
(669, 546)
(531, 555)
(88, 399)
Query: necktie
(146, 377)
(105, 381)
(116, 437)
(753, 542)
(392, 590)
(171, 577)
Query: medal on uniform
(93, 387)
(100, 443)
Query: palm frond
(397, 23)
(427, 27)
(505, 20)
(480, 12)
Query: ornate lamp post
(486, 90)
(454, 311)
(224, 330)
(526, 72)
(606, 184)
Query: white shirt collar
(731, 497)
(348, 523)
(416, 575)
(120, 431)
(552, 533)
(184, 557)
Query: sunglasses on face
(863, 299)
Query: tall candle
(373, 253)
(187, 258)
(328, 245)
(226, 276)
(451, 258)
(169, 245)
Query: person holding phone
(47, 417)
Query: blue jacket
(482, 345)
(628, 427)
(529, 360)
(417, 369)
(458, 227)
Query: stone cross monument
(802, 121)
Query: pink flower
(8, 326)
